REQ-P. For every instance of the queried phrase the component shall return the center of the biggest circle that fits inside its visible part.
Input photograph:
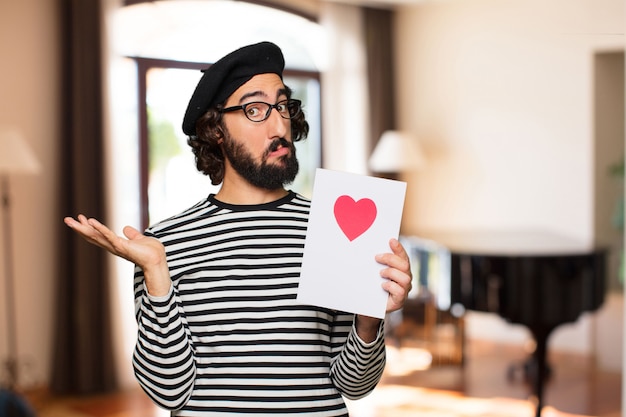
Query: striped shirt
(230, 339)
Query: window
(169, 41)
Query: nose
(278, 125)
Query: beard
(263, 175)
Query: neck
(240, 192)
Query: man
(220, 330)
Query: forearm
(157, 279)
(163, 360)
(358, 367)
(367, 327)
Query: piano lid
(508, 242)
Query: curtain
(82, 355)
(380, 65)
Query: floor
(483, 384)
(575, 385)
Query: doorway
(609, 200)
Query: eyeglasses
(257, 111)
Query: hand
(398, 276)
(146, 252)
(398, 283)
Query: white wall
(29, 101)
(499, 92)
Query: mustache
(277, 143)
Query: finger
(69, 221)
(398, 277)
(132, 233)
(102, 229)
(107, 233)
(80, 225)
(114, 243)
(394, 261)
(88, 233)
(397, 295)
(398, 249)
(394, 288)
(397, 259)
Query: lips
(280, 151)
(278, 148)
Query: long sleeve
(230, 337)
(163, 359)
(357, 366)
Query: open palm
(135, 246)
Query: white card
(351, 221)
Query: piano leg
(540, 372)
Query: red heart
(354, 218)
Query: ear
(220, 134)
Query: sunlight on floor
(400, 401)
(394, 400)
(404, 361)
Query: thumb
(132, 233)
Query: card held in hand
(352, 219)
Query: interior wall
(500, 94)
(29, 103)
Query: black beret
(229, 73)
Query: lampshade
(15, 154)
(396, 152)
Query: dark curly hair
(210, 129)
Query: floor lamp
(395, 153)
(15, 158)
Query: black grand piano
(538, 279)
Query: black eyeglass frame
(287, 102)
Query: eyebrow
(258, 93)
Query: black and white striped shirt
(230, 338)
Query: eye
(282, 106)
(254, 110)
